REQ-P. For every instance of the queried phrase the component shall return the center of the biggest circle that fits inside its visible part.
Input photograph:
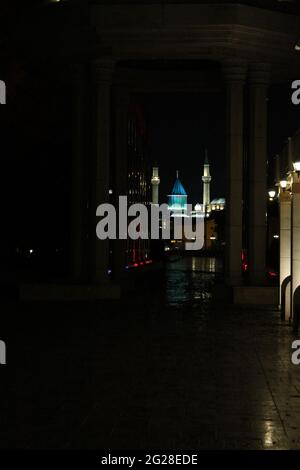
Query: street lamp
(272, 194)
(283, 184)
(297, 167)
(295, 237)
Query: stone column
(277, 169)
(234, 73)
(206, 178)
(285, 241)
(100, 164)
(121, 101)
(290, 154)
(295, 250)
(78, 174)
(258, 85)
(155, 181)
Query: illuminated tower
(178, 198)
(206, 178)
(155, 185)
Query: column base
(234, 280)
(256, 295)
(69, 292)
(258, 279)
(246, 295)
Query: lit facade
(155, 180)
(138, 190)
(177, 200)
(207, 205)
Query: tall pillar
(100, 164)
(290, 155)
(206, 178)
(155, 180)
(78, 175)
(121, 105)
(258, 85)
(277, 169)
(234, 73)
(285, 242)
(295, 254)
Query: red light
(244, 261)
(272, 274)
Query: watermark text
(2, 353)
(2, 92)
(296, 354)
(138, 221)
(296, 94)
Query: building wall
(139, 190)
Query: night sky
(283, 116)
(181, 127)
(36, 141)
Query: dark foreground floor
(162, 369)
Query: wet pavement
(165, 368)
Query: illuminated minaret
(155, 184)
(206, 178)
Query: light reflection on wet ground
(165, 368)
(190, 279)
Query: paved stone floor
(165, 368)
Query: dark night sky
(181, 127)
(284, 117)
(36, 139)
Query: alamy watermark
(296, 94)
(2, 353)
(296, 354)
(138, 222)
(2, 92)
(2, 343)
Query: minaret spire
(155, 180)
(206, 162)
(206, 178)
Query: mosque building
(207, 205)
(177, 199)
(209, 209)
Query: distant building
(177, 200)
(206, 178)
(217, 204)
(138, 187)
(177, 203)
(207, 205)
(155, 180)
